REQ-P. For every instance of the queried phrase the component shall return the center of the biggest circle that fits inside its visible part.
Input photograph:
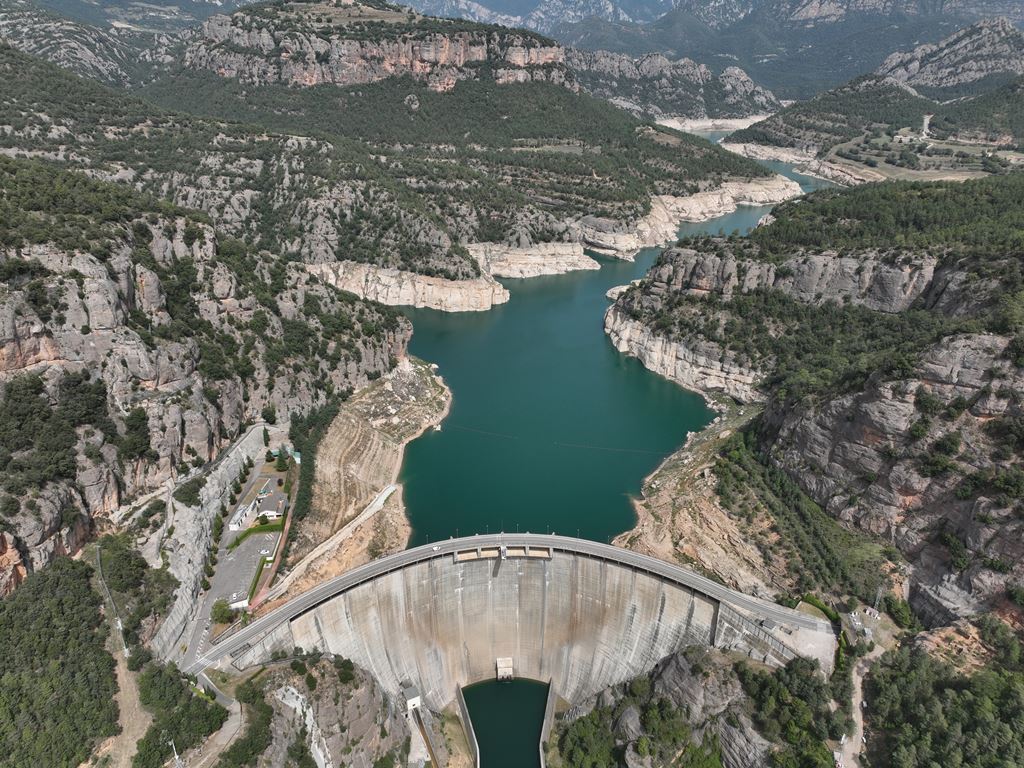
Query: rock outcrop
(702, 686)
(661, 224)
(306, 45)
(881, 285)
(657, 86)
(395, 287)
(158, 324)
(857, 456)
(989, 49)
(532, 261)
(700, 366)
(345, 719)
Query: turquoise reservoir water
(550, 429)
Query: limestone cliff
(657, 86)
(701, 366)
(881, 284)
(661, 224)
(864, 457)
(532, 261)
(392, 286)
(159, 341)
(343, 719)
(700, 684)
(300, 44)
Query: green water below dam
(551, 429)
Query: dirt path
(133, 718)
(855, 743)
(209, 752)
(357, 512)
(681, 520)
(852, 746)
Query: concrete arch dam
(581, 614)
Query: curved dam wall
(582, 622)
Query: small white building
(412, 697)
(273, 506)
(503, 666)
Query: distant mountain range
(153, 16)
(650, 85)
(796, 48)
(973, 60)
(969, 82)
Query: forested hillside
(882, 324)
(539, 159)
(57, 701)
(836, 116)
(137, 342)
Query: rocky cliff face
(988, 49)
(180, 343)
(879, 283)
(392, 286)
(305, 45)
(702, 366)
(655, 85)
(700, 684)
(345, 720)
(541, 259)
(661, 224)
(866, 458)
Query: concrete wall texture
(584, 623)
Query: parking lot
(237, 565)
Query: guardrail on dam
(582, 614)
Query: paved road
(235, 568)
(330, 544)
(346, 581)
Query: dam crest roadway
(578, 613)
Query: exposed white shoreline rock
(612, 238)
(661, 225)
(702, 368)
(540, 259)
(395, 287)
(693, 125)
(768, 152)
(805, 162)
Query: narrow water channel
(551, 429)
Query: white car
(435, 548)
(264, 551)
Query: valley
(352, 356)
